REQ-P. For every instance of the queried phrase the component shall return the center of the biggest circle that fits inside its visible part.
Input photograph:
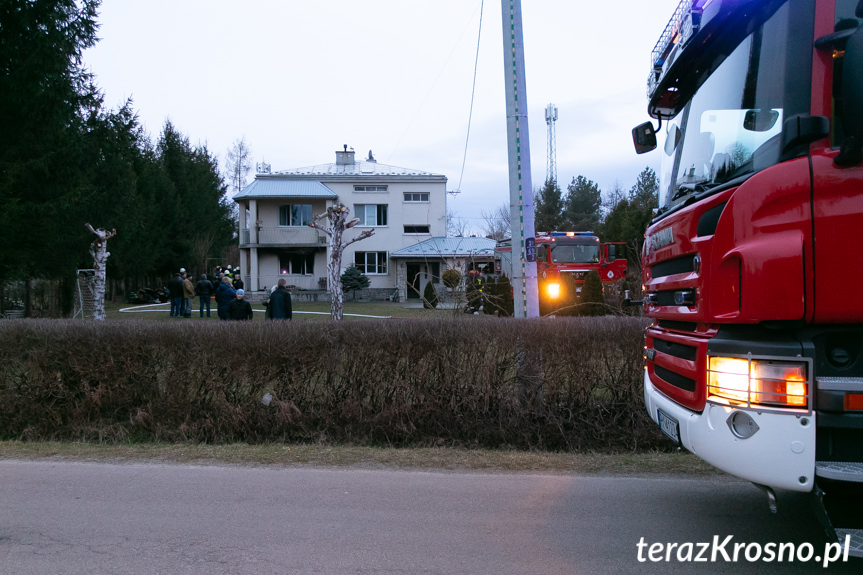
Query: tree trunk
(99, 252)
(338, 223)
(334, 267)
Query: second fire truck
(563, 260)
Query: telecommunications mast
(551, 164)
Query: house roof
(448, 247)
(357, 169)
(285, 188)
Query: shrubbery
(430, 300)
(592, 299)
(563, 384)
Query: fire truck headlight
(758, 381)
(553, 290)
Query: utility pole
(525, 296)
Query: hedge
(570, 384)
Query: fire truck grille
(575, 276)
(678, 350)
(664, 298)
(675, 379)
(671, 267)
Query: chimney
(345, 158)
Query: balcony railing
(285, 236)
(308, 282)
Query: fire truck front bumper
(767, 447)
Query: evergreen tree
(592, 301)
(628, 219)
(582, 205)
(195, 216)
(548, 208)
(47, 105)
(354, 280)
(430, 300)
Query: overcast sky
(300, 78)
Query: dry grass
(437, 459)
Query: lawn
(303, 311)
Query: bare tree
(496, 224)
(238, 164)
(99, 253)
(612, 198)
(337, 218)
(456, 227)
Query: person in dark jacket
(240, 309)
(175, 289)
(204, 289)
(225, 294)
(280, 302)
(238, 281)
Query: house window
(371, 262)
(297, 263)
(371, 214)
(416, 196)
(370, 188)
(295, 215)
(416, 229)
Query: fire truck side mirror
(852, 99)
(644, 138)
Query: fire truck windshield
(732, 125)
(585, 254)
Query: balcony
(284, 236)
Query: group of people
(229, 293)
(182, 292)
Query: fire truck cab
(754, 360)
(563, 260)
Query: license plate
(669, 426)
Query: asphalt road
(92, 518)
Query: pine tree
(430, 300)
(582, 205)
(354, 280)
(592, 301)
(548, 208)
(48, 104)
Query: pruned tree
(337, 222)
(99, 253)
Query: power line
(472, 94)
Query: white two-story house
(405, 207)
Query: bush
(498, 298)
(592, 301)
(430, 300)
(353, 280)
(465, 381)
(451, 278)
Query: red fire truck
(754, 360)
(563, 260)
